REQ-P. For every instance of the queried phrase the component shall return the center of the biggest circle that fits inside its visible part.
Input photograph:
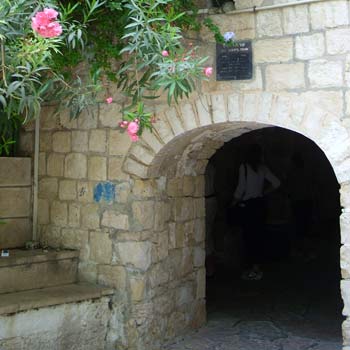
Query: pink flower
(50, 13)
(165, 53)
(123, 124)
(134, 137)
(133, 128)
(109, 100)
(45, 25)
(208, 71)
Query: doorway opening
(297, 303)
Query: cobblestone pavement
(297, 306)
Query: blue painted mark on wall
(104, 191)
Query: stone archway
(172, 162)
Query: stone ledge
(23, 257)
(38, 298)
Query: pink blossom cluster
(208, 71)
(132, 128)
(45, 24)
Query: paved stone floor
(297, 306)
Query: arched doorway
(173, 161)
(297, 303)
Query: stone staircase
(43, 306)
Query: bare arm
(240, 189)
(274, 182)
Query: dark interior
(297, 304)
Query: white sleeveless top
(251, 183)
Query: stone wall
(83, 324)
(15, 202)
(245, 4)
(136, 211)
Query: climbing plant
(135, 43)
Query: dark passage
(297, 303)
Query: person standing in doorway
(249, 196)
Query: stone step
(11, 303)
(32, 269)
(73, 316)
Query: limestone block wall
(15, 202)
(83, 324)
(136, 211)
(244, 4)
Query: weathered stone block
(122, 192)
(45, 141)
(98, 141)
(144, 213)
(115, 169)
(295, 19)
(243, 26)
(174, 187)
(118, 221)
(85, 191)
(48, 188)
(309, 46)
(163, 245)
(61, 142)
(329, 14)
(97, 168)
(199, 230)
(110, 114)
(67, 190)
(345, 292)
(199, 257)
(184, 209)
(162, 215)
(345, 261)
(244, 4)
(338, 41)
(184, 295)
(100, 248)
(137, 288)
(273, 50)
(15, 202)
(200, 279)
(188, 185)
(88, 120)
(82, 325)
(136, 254)
(74, 215)
(323, 74)
(142, 154)
(15, 233)
(15, 171)
(118, 143)
(112, 276)
(80, 141)
(75, 166)
(59, 213)
(269, 23)
(55, 164)
(144, 188)
(285, 76)
(42, 164)
(76, 239)
(43, 211)
(135, 168)
(90, 217)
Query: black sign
(234, 62)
